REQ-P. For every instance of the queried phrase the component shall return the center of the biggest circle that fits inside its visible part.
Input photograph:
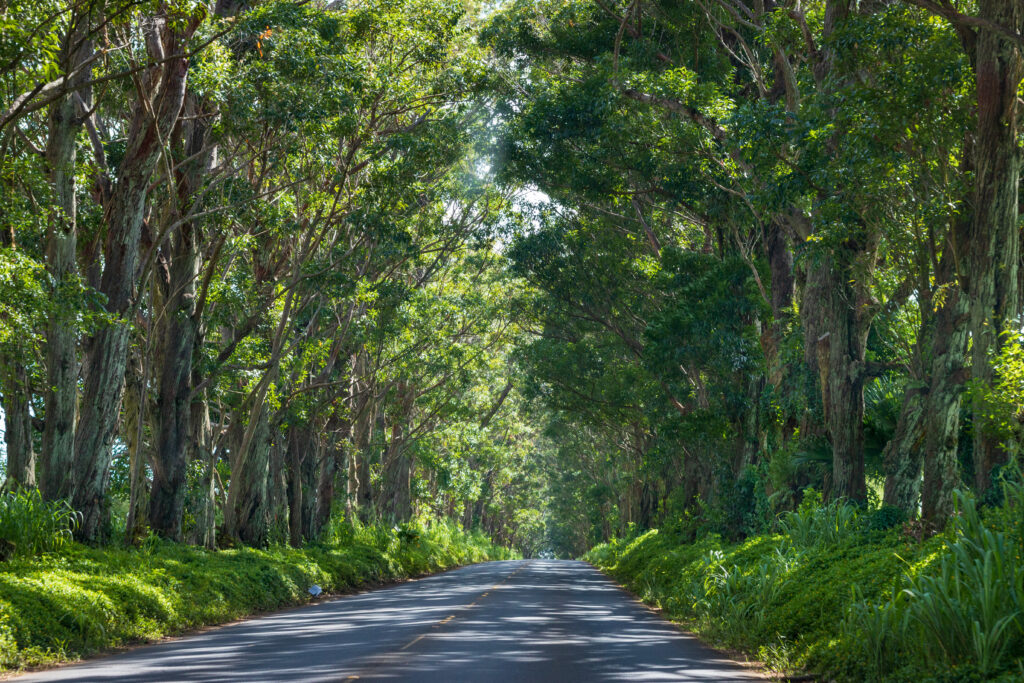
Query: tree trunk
(15, 402)
(780, 260)
(205, 533)
(178, 333)
(248, 511)
(994, 246)
(396, 476)
(326, 478)
(332, 460)
(942, 411)
(902, 455)
(302, 459)
(397, 464)
(312, 464)
(365, 412)
(835, 344)
(134, 437)
(351, 483)
(277, 506)
(104, 366)
(61, 244)
(21, 459)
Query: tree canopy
(555, 269)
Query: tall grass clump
(31, 526)
(814, 523)
(735, 601)
(965, 613)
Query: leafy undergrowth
(837, 596)
(64, 605)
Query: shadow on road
(533, 621)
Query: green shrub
(875, 628)
(781, 598)
(885, 518)
(33, 526)
(970, 610)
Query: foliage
(564, 271)
(1002, 401)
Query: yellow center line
(413, 641)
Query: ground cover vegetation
(561, 271)
(847, 594)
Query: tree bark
(248, 511)
(994, 246)
(780, 260)
(205, 532)
(942, 412)
(365, 412)
(902, 455)
(178, 334)
(396, 475)
(397, 463)
(21, 459)
(302, 461)
(61, 244)
(326, 477)
(835, 344)
(104, 366)
(314, 462)
(134, 437)
(332, 461)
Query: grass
(30, 525)
(60, 606)
(839, 595)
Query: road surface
(537, 621)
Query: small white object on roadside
(315, 590)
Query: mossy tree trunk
(178, 330)
(105, 358)
(994, 245)
(248, 510)
(61, 394)
(21, 458)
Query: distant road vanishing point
(536, 621)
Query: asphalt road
(536, 621)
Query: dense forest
(556, 270)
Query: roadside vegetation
(60, 600)
(847, 593)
